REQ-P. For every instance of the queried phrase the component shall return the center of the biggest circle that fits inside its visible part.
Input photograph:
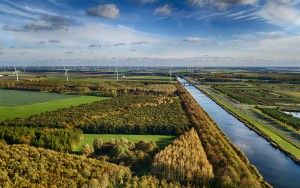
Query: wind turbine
(66, 73)
(16, 73)
(117, 73)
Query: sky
(150, 32)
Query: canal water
(276, 168)
(295, 114)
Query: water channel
(276, 167)
(295, 114)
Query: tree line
(184, 161)
(103, 88)
(283, 117)
(56, 139)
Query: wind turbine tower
(16, 73)
(66, 73)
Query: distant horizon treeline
(101, 88)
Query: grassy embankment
(253, 123)
(160, 140)
(25, 103)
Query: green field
(261, 94)
(19, 98)
(160, 140)
(25, 103)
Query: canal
(276, 167)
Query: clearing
(160, 140)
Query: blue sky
(150, 32)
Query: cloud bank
(281, 12)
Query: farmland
(248, 77)
(25, 103)
(258, 100)
(140, 126)
(149, 94)
(261, 94)
(13, 98)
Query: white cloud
(37, 10)
(110, 11)
(78, 39)
(193, 39)
(145, 1)
(15, 12)
(281, 12)
(164, 10)
(220, 4)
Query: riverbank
(276, 141)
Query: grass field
(291, 93)
(20, 98)
(261, 94)
(160, 140)
(24, 103)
